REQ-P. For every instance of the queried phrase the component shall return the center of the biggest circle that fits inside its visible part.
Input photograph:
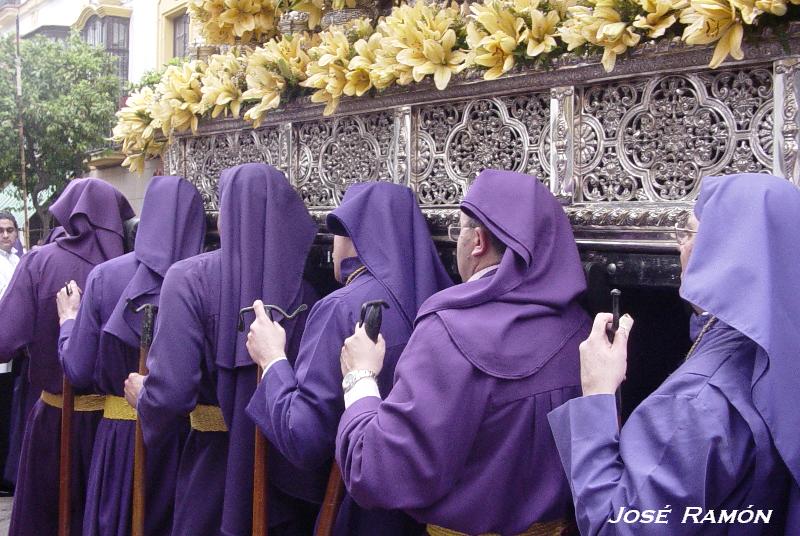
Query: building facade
(142, 34)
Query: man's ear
(481, 246)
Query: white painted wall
(37, 13)
(143, 38)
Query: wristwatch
(352, 377)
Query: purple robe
(299, 408)
(92, 212)
(171, 228)
(697, 441)
(462, 439)
(198, 356)
(23, 399)
(721, 433)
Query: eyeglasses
(682, 234)
(453, 232)
(8, 230)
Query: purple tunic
(92, 211)
(299, 409)
(171, 227)
(462, 439)
(198, 357)
(721, 433)
(24, 398)
(697, 441)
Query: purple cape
(406, 262)
(192, 360)
(265, 235)
(455, 443)
(56, 232)
(540, 269)
(38, 278)
(171, 228)
(299, 407)
(92, 213)
(748, 241)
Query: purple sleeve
(405, 452)
(171, 386)
(64, 333)
(18, 303)
(675, 451)
(79, 353)
(299, 412)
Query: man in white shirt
(9, 257)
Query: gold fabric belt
(82, 402)
(117, 408)
(550, 528)
(205, 418)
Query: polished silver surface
(625, 151)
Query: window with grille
(180, 36)
(111, 34)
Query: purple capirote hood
(510, 324)
(266, 233)
(171, 228)
(744, 269)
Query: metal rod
(21, 127)
(269, 308)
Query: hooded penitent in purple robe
(92, 213)
(101, 347)
(462, 441)
(299, 407)
(199, 357)
(722, 433)
(24, 397)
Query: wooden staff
(65, 453)
(261, 451)
(334, 495)
(260, 495)
(65, 463)
(138, 504)
(371, 319)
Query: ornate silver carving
(293, 21)
(635, 146)
(207, 156)
(655, 140)
(401, 147)
(627, 215)
(174, 160)
(787, 119)
(456, 141)
(562, 142)
(365, 9)
(335, 153)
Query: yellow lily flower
(541, 36)
(135, 129)
(660, 15)
(775, 7)
(222, 84)
(710, 21)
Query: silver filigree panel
(457, 140)
(653, 140)
(207, 156)
(335, 153)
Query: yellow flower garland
(408, 45)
